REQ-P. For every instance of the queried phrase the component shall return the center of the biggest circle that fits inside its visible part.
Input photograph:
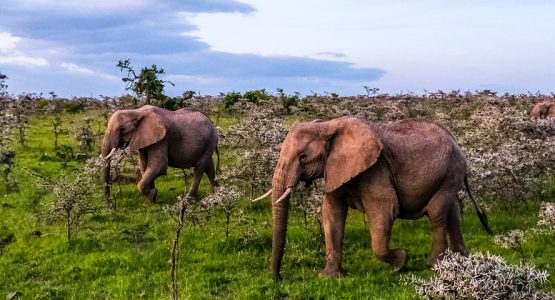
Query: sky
(71, 47)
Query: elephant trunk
(281, 181)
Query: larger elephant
(403, 170)
(543, 110)
(179, 139)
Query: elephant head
(543, 110)
(138, 128)
(338, 150)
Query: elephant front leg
(381, 215)
(154, 163)
(146, 185)
(334, 212)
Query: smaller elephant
(180, 139)
(543, 110)
(406, 170)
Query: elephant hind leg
(211, 173)
(443, 213)
(197, 175)
(456, 241)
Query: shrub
(255, 96)
(224, 199)
(480, 276)
(85, 136)
(546, 218)
(230, 99)
(74, 107)
(73, 197)
(288, 101)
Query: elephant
(180, 139)
(405, 170)
(543, 110)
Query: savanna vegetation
(60, 239)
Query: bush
(255, 96)
(480, 276)
(230, 99)
(288, 101)
(74, 107)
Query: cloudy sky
(72, 47)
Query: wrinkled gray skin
(179, 139)
(407, 170)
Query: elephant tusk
(110, 154)
(287, 192)
(263, 196)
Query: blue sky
(71, 47)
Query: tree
(146, 85)
(3, 85)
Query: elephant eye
(302, 158)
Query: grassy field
(125, 254)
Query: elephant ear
(354, 147)
(550, 112)
(150, 130)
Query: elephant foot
(192, 195)
(397, 259)
(432, 261)
(332, 272)
(152, 195)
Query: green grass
(126, 254)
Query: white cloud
(75, 69)
(25, 61)
(191, 79)
(9, 55)
(8, 42)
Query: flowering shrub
(256, 141)
(480, 276)
(546, 218)
(511, 239)
(85, 136)
(224, 199)
(309, 200)
(74, 197)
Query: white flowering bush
(480, 276)
(308, 199)
(74, 197)
(256, 141)
(511, 239)
(85, 136)
(224, 199)
(546, 218)
(123, 169)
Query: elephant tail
(218, 170)
(481, 214)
